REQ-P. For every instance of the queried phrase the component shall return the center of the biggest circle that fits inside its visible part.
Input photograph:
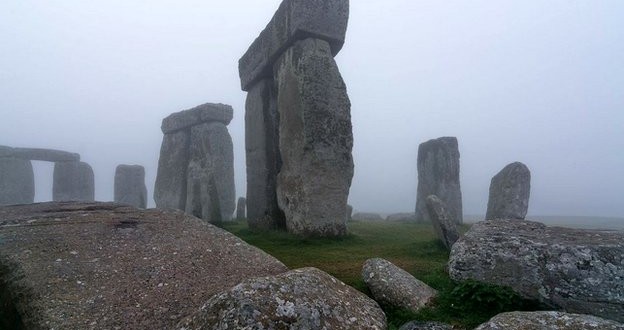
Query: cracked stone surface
(548, 321)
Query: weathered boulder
(367, 216)
(111, 266)
(130, 185)
(302, 299)
(392, 286)
(170, 188)
(509, 193)
(443, 225)
(315, 139)
(401, 217)
(293, 21)
(438, 174)
(262, 157)
(47, 155)
(417, 325)
(548, 321)
(209, 112)
(579, 271)
(73, 181)
(240, 208)
(17, 181)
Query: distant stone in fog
(367, 216)
(443, 224)
(349, 212)
(170, 188)
(402, 217)
(509, 193)
(240, 208)
(73, 181)
(130, 185)
(17, 181)
(438, 174)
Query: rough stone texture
(509, 193)
(294, 20)
(73, 181)
(401, 217)
(302, 299)
(240, 208)
(17, 181)
(548, 321)
(315, 140)
(416, 325)
(579, 271)
(443, 225)
(366, 216)
(47, 155)
(170, 187)
(392, 286)
(262, 157)
(209, 112)
(438, 174)
(349, 212)
(130, 185)
(111, 266)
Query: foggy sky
(540, 82)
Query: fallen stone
(417, 325)
(392, 286)
(315, 139)
(548, 321)
(293, 21)
(73, 181)
(302, 299)
(443, 226)
(578, 271)
(170, 188)
(130, 185)
(509, 193)
(438, 174)
(111, 266)
(209, 112)
(47, 155)
(17, 181)
(240, 208)
(367, 216)
(401, 217)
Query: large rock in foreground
(509, 193)
(579, 271)
(548, 321)
(110, 266)
(302, 299)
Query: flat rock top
(107, 266)
(208, 112)
(49, 155)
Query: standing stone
(240, 208)
(17, 181)
(315, 140)
(73, 181)
(443, 224)
(349, 212)
(130, 185)
(438, 174)
(262, 157)
(509, 193)
(170, 188)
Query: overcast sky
(536, 81)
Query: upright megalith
(130, 185)
(195, 169)
(509, 193)
(438, 174)
(240, 208)
(17, 181)
(73, 181)
(298, 120)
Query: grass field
(410, 246)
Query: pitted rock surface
(443, 226)
(509, 193)
(579, 271)
(392, 286)
(548, 321)
(111, 266)
(208, 112)
(416, 325)
(301, 299)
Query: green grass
(410, 246)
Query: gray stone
(302, 299)
(262, 157)
(548, 321)
(293, 21)
(240, 208)
(130, 185)
(6, 151)
(349, 212)
(17, 181)
(315, 140)
(392, 286)
(438, 174)
(443, 224)
(578, 271)
(416, 325)
(401, 217)
(170, 187)
(209, 112)
(47, 155)
(509, 193)
(73, 181)
(366, 216)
